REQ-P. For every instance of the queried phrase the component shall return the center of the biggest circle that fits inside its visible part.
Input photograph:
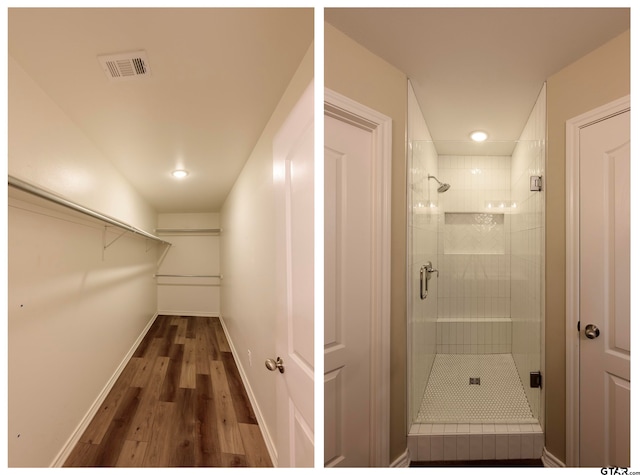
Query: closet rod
(47, 195)
(186, 230)
(186, 275)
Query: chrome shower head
(443, 186)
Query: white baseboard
(403, 461)
(187, 313)
(95, 407)
(270, 443)
(550, 461)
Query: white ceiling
(217, 76)
(479, 68)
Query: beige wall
(358, 74)
(74, 311)
(192, 254)
(48, 149)
(596, 79)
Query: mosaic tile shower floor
(499, 398)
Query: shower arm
(431, 176)
(443, 186)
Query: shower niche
(475, 340)
(474, 233)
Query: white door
(293, 177)
(604, 292)
(348, 181)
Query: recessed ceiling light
(478, 136)
(179, 173)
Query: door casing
(348, 110)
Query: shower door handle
(425, 274)
(424, 279)
(430, 270)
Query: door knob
(592, 331)
(273, 365)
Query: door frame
(347, 110)
(573, 127)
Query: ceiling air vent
(123, 66)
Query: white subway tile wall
(437, 446)
(489, 446)
(462, 447)
(481, 335)
(475, 447)
(474, 247)
(450, 444)
(502, 446)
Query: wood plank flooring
(179, 402)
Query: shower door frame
(410, 279)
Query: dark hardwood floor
(179, 402)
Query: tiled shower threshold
(486, 421)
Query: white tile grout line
(499, 398)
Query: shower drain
(474, 381)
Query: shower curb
(460, 442)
